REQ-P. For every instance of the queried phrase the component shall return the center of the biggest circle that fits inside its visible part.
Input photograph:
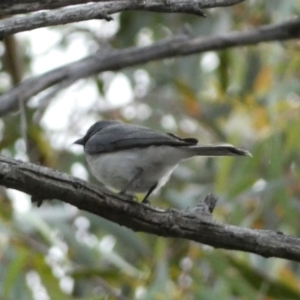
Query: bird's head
(93, 130)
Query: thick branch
(118, 59)
(9, 7)
(194, 224)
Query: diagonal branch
(118, 59)
(193, 224)
(181, 6)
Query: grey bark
(193, 224)
(118, 59)
(11, 7)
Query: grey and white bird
(136, 159)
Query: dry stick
(14, 66)
(23, 124)
(98, 11)
(192, 224)
(118, 59)
(182, 6)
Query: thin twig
(195, 7)
(23, 123)
(96, 11)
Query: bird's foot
(128, 197)
(146, 201)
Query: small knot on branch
(206, 206)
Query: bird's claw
(128, 197)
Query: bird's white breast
(118, 168)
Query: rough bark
(118, 59)
(11, 7)
(193, 224)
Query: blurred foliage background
(247, 96)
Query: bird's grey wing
(120, 137)
(192, 141)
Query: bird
(136, 159)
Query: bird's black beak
(80, 142)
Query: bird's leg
(131, 181)
(145, 200)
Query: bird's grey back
(110, 136)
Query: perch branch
(193, 224)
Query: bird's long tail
(219, 150)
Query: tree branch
(192, 224)
(103, 11)
(9, 7)
(118, 59)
